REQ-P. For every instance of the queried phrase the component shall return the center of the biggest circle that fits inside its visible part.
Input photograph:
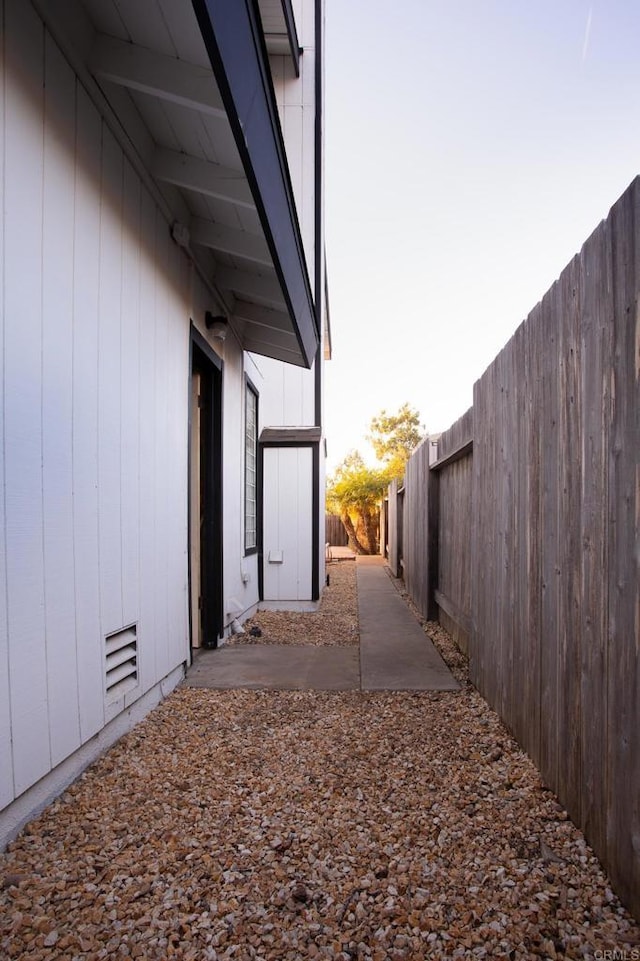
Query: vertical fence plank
(419, 530)
(477, 573)
(500, 596)
(522, 705)
(533, 625)
(334, 531)
(623, 549)
(454, 549)
(510, 693)
(595, 295)
(549, 538)
(482, 644)
(569, 545)
(394, 558)
(491, 673)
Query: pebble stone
(290, 825)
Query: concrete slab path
(394, 654)
(277, 667)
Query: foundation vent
(121, 662)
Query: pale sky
(472, 146)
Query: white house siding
(236, 597)
(6, 760)
(287, 398)
(287, 525)
(96, 308)
(287, 395)
(95, 317)
(296, 98)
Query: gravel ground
(334, 623)
(294, 825)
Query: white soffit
(279, 27)
(150, 66)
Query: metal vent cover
(121, 662)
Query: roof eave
(239, 60)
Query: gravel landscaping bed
(334, 623)
(294, 825)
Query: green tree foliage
(395, 436)
(354, 494)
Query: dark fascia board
(290, 20)
(290, 436)
(320, 276)
(235, 45)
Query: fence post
(433, 539)
(392, 521)
(420, 531)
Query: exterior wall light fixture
(217, 324)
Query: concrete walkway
(276, 667)
(394, 655)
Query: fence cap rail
(462, 451)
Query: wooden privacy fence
(335, 534)
(523, 539)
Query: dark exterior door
(205, 498)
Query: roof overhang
(189, 97)
(233, 36)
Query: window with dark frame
(250, 469)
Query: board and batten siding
(95, 313)
(287, 393)
(6, 762)
(288, 523)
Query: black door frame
(205, 361)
